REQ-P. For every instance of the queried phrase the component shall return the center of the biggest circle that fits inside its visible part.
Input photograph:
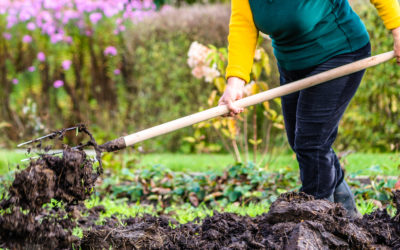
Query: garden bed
(295, 220)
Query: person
(308, 37)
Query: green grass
(356, 163)
(186, 212)
(182, 213)
(9, 160)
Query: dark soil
(294, 220)
(70, 179)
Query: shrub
(160, 86)
(372, 121)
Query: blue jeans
(311, 121)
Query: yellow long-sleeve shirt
(243, 31)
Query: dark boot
(330, 198)
(344, 196)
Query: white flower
(247, 89)
(210, 73)
(257, 54)
(197, 54)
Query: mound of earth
(294, 221)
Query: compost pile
(294, 221)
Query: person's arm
(389, 11)
(242, 40)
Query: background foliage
(154, 83)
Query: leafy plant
(210, 63)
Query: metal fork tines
(47, 136)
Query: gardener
(308, 37)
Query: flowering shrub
(210, 63)
(199, 61)
(62, 55)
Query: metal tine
(53, 153)
(46, 136)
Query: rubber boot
(330, 198)
(344, 196)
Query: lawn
(355, 163)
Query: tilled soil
(294, 220)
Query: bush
(372, 121)
(163, 87)
(145, 82)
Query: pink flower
(27, 39)
(15, 81)
(55, 38)
(95, 17)
(117, 72)
(110, 50)
(24, 15)
(57, 84)
(41, 56)
(31, 68)
(68, 39)
(66, 64)
(7, 36)
(31, 26)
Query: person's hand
(396, 41)
(233, 91)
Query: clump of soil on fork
(69, 178)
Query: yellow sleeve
(389, 11)
(242, 40)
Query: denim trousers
(312, 118)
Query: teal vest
(306, 33)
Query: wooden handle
(257, 98)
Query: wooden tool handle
(251, 100)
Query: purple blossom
(110, 50)
(11, 21)
(55, 38)
(48, 28)
(27, 39)
(95, 17)
(15, 81)
(31, 26)
(58, 83)
(31, 68)
(66, 64)
(117, 71)
(24, 15)
(7, 36)
(67, 39)
(41, 56)
(110, 12)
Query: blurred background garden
(125, 65)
